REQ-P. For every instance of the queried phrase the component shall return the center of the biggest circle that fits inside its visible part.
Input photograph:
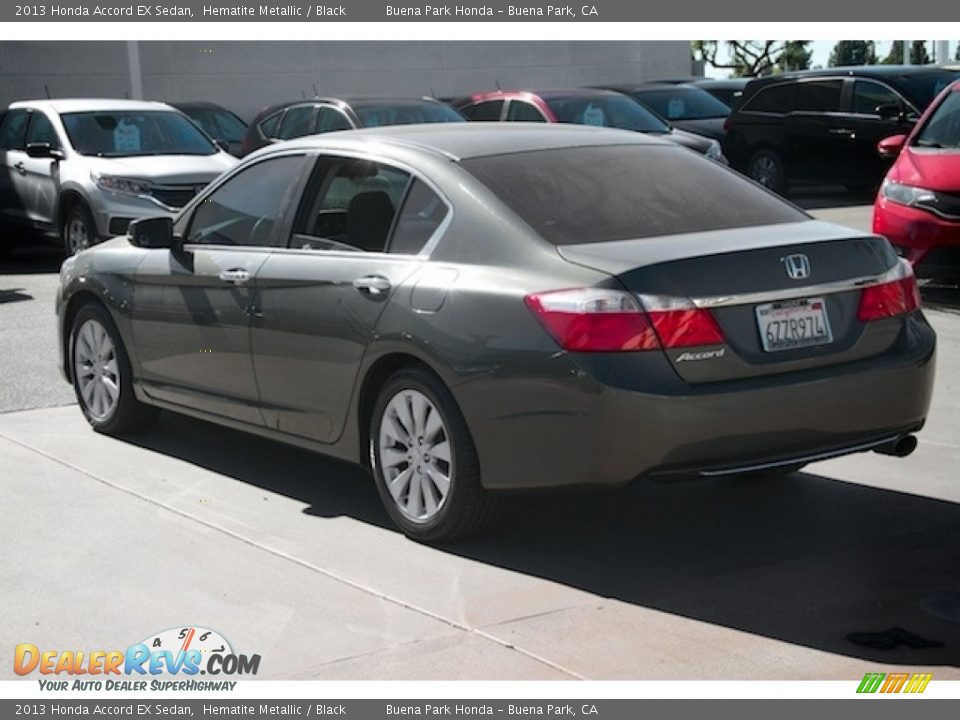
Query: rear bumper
(587, 434)
(930, 243)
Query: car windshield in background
(601, 194)
(943, 128)
(922, 88)
(680, 103)
(129, 134)
(616, 111)
(378, 114)
(219, 124)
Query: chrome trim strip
(895, 273)
(804, 459)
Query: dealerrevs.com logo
(168, 660)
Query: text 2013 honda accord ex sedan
(471, 309)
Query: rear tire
(102, 377)
(78, 230)
(424, 462)
(766, 168)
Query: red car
(918, 206)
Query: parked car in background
(729, 92)
(918, 206)
(82, 170)
(219, 123)
(323, 115)
(684, 106)
(469, 309)
(823, 126)
(602, 108)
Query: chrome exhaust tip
(901, 447)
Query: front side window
(600, 194)
(132, 134)
(219, 124)
(41, 132)
(942, 130)
(617, 111)
(353, 207)
(246, 208)
(683, 103)
(868, 96)
(330, 120)
(297, 122)
(520, 111)
(12, 130)
(488, 111)
(404, 113)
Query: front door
(192, 305)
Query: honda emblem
(798, 266)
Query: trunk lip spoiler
(898, 272)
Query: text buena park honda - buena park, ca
(164, 11)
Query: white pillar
(133, 67)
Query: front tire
(78, 231)
(102, 378)
(424, 462)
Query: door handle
(841, 131)
(372, 284)
(21, 168)
(237, 276)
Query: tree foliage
(918, 53)
(796, 55)
(747, 58)
(853, 52)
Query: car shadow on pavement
(826, 197)
(835, 566)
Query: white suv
(81, 170)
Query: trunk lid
(741, 277)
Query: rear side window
(423, 212)
(819, 96)
(776, 99)
(271, 125)
(485, 111)
(601, 194)
(12, 130)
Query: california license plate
(793, 324)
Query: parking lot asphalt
(291, 556)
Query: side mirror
(44, 150)
(152, 232)
(890, 111)
(890, 147)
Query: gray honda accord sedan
(471, 309)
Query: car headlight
(122, 185)
(906, 194)
(713, 151)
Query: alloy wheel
(78, 236)
(415, 455)
(97, 369)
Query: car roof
(878, 71)
(197, 104)
(461, 141)
(69, 105)
(652, 85)
(553, 94)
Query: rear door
(819, 135)
(358, 235)
(13, 129)
(192, 306)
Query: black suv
(823, 126)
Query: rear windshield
(129, 134)
(617, 111)
(601, 194)
(682, 103)
(376, 114)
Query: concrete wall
(245, 76)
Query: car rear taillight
(602, 320)
(680, 323)
(593, 320)
(897, 296)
